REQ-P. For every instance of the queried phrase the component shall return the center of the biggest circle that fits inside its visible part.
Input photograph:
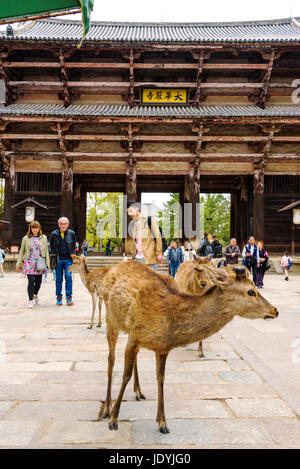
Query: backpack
(218, 250)
(290, 263)
(163, 239)
(208, 250)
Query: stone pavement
(245, 393)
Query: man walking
(232, 253)
(175, 258)
(145, 241)
(251, 257)
(62, 244)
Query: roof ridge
(185, 24)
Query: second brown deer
(156, 315)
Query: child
(286, 263)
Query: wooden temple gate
(108, 117)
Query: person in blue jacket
(174, 258)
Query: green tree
(2, 181)
(217, 215)
(169, 218)
(105, 210)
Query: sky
(193, 10)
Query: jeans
(85, 252)
(253, 267)
(152, 266)
(61, 268)
(108, 252)
(34, 285)
(174, 267)
(260, 279)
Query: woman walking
(261, 264)
(34, 252)
(286, 264)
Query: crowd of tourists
(146, 243)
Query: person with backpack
(2, 257)
(144, 242)
(175, 258)
(217, 249)
(251, 257)
(286, 263)
(205, 249)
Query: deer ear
(196, 257)
(240, 272)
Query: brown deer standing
(92, 281)
(158, 316)
(199, 275)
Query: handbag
(40, 263)
(53, 261)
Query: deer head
(78, 263)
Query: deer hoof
(139, 396)
(201, 355)
(104, 412)
(99, 325)
(113, 425)
(164, 429)
(90, 327)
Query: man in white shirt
(250, 257)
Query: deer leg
(130, 358)
(161, 359)
(136, 387)
(100, 299)
(200, 349)
(112, 337)
(94, 299)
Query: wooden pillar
(191, 202)
(80, 206)
(244, 211)
(9, 195)
(67, 190)
(131, 195)
(258, 201)
(238, 216)
(232, 216)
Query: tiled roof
(281, 30)
(103, 110)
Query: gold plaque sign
(164, 96)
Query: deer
(158, 316)
(92, 281)
(197, 275)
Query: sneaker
(69, 301)
(36, 300)
(30, 305)
(59, 301)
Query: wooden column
(237, 216)
(80, 205)
(191, 202)
(9, 192)
(244, 230)
(232, 215)
(67, 190)
(258, 200)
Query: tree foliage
(217, 215)
(104, 213)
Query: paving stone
(284, 431)
(73, 432)
(17, 433)
(201, 432)
(24, 392)
(31, 366)
(144, 410)
(77, 410)
(5, 407)
(53, 356)
(205, 365)
(259, 408)
(16, 378)
(191, 378)
(238, 365)
(247, 377)
(222, 391)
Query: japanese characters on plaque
(164, 96)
